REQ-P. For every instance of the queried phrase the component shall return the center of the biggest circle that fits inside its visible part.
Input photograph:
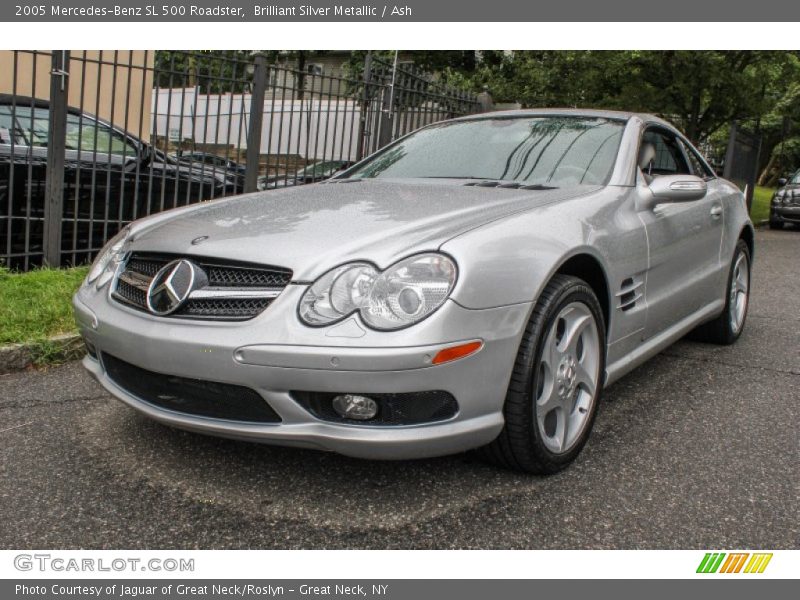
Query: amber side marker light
(456, 352)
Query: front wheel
(556, 383)
(727, 327)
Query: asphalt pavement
(699, 448)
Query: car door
(100, 187)
(23, 163)
(683, 239)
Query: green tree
(701, 90)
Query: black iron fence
(90, 141)
(741, 160)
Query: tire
(529, 441)
(775, 224)
(722, 330)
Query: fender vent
(628, 294)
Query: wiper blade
(512, 185)
(538, 186)
(460, 177)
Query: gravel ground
(698, 448)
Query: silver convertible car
(475, 284)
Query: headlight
(402, 295)
(108, 259)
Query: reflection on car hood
(313, 228)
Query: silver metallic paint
(507, 244)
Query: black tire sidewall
(574, 291)
(741, 248)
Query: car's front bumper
(784, 214)
(275, 354)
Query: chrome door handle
(716, 211)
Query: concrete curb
(59, 348)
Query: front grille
(130, 294)
(235, 287)
(246, 278)
(412, 408)
(232, 308)
(190, 396)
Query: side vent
(628, 294)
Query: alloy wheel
(568, 376)
(739, 292)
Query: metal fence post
(741, 160)
(56, 148)
(387, 109)
(253, 153)
(363, 134)
(730, 153)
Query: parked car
(476, 283)
(785, 205)
(110, 176)
(318, 171)
(213, 163)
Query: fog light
(352, 406)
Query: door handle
(716, 211)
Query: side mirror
(782, 182)
(677, 188)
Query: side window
(30, 126)
(7, 126)
(668, 159)
(87, 135)
(698, 167)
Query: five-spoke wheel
(567, 378)
(557, 380)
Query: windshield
(557, 151)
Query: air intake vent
(195, 397)
(629, 294)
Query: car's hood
(313, 228)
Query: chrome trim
(137, 280)
(629, 288)
(630, 303)
(234, 294)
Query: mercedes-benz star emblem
(171, 286)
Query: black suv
(111, 177)
(785, 205)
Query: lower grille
(194, 397)
(233, 292)
(413, 408)
(225, 308)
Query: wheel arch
(748, 235)
(587, 266)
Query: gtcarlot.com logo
(47, 562)
(734, 562)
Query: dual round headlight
(399, 296)
(108, 259)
